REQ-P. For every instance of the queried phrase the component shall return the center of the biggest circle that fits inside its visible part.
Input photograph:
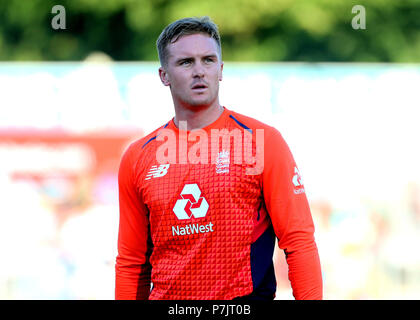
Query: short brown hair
(183, 27)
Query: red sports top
(191, 214)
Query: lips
(199, 86)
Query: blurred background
(345, 99)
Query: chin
(199, 103)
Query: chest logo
(222, 162)
(157, 171)
(190, 203)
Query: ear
(164, 76)
(221, 72)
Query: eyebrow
(211, 56)
(183, 59)
(186, 58)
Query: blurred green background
(264, 30)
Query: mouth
(199, 87)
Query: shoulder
(138, 148)
(249, 123)
(274, 145)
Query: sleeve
(132, 268)
(289, 211)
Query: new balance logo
(157, 171)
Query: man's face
(193, 70)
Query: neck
(197, 117)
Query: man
(197, 221)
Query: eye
(208, 59)
(185, 62)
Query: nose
(198, 70)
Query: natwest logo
(297, 182)
(190, 203)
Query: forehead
(193, 45)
